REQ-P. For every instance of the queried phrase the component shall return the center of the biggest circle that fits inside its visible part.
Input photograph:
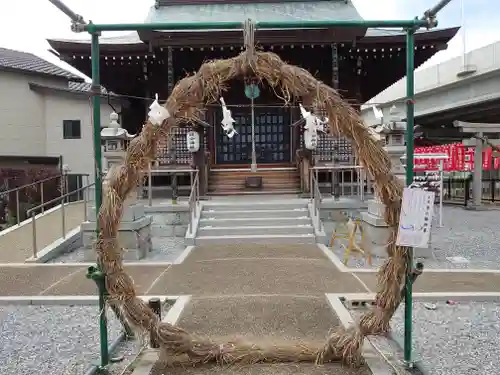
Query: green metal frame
(410, 26)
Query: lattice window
(332, 148)
(178, 154)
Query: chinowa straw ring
(185, 104)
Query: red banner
(460, 158)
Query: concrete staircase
(262, 221)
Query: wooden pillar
(170, 70)
(335, 67)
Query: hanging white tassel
(227, 120)
(157, 114)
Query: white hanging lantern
(193, 141)
(310, 139)
(227, 120)
(157, 114)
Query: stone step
(257, 239)
(258, 205)
(254, 213)
(258, 221)
(255, 230)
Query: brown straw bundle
(185, 104)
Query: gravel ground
(452, 340)
(166, 247)
(472, 236)
(55, 340)
(456, 339)
(65, 341)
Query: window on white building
(72, 129)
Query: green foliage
(29, 196)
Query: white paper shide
(227, 120)
(415, 220)
(157, 114)
(311, 128)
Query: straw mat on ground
(185, 105)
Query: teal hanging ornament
(252, 91)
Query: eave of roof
(28, 63)
(79, 89)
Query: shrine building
(358, 62)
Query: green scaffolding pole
(94, 29)
(194, 26)
(96, 273)
(410, 122)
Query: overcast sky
(25, 24)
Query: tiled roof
(27, 62)
(84, 87)
(318, 10)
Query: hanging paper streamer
(157, 113)
(311, 128)
(227, 120)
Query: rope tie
(249, 41)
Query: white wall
(22, 114)
(76, 153)
(32, 121)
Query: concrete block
(130, 213)
(376, 208)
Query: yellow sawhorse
(352, 226)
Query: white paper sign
(415, 218)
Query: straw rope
(185, 104)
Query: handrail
(194, 198)
(31, 184)
(316, 200)
(33, 210)
(150, 172)
(41, 182)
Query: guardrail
(338, 184)
(193, 202)
(459, 190)
(167, 171)
(33, 212)
(316, 200)
(17, 190)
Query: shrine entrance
(272, 136)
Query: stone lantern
(135, 227)
(377, 232)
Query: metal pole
(33, 226)
(410, 116)
(96, 119)
(413, 23)
(150, 186)
(84, 193)
(65, 9)
(477, 185)
(63, 219)
(441, 168)
(254, 156)
(41, 197)
(18, 210)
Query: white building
(46, 111)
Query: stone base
(133, 236)
(376, 234)
(130, 213)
